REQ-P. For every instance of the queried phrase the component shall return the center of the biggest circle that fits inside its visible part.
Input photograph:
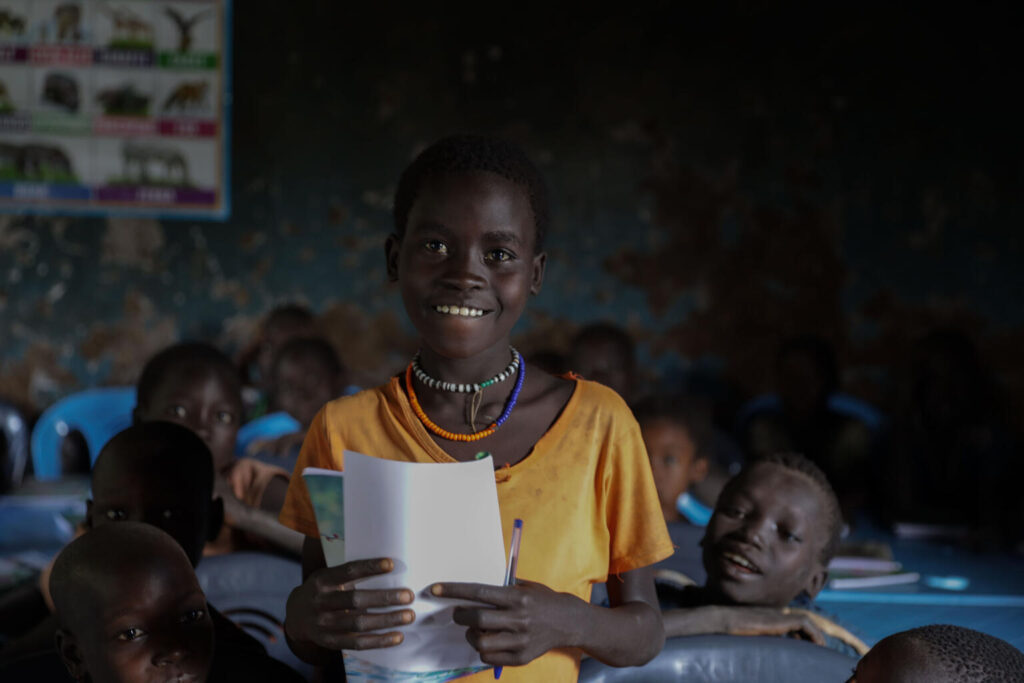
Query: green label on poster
(189, 60)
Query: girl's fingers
(363, 599)
(363, 641)
(499, 596)
(485, 618)
(361, 622)
(496, 641)
(336, 577)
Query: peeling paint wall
(723, 178)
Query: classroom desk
(992, 602)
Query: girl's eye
(224, 417)
(178, 412)
(729, 511)
(790, 537)
(500, 255)
(115, 515)
(193, 616)
(131, 634)
(436, 246)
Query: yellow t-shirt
(585, 493)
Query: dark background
(723, 177)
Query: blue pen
(510, 570)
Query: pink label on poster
(188, 128)
(72, 55)
(123, 126)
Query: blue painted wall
(723, 178)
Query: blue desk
(993, 601)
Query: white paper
(438, 522)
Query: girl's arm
(324, 615)
(532, 619)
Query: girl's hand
(326, 611)
(515, 624)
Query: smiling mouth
(460, 311)
(741, 563)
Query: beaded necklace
(465, 388)
(452, 436)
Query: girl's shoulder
(361, 404)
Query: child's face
(602, 361)
(157, 498)
(206, 402)
(302, 386)
(468, 245)
(674, 461)
(764, 542)
(151, 625)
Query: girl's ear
(70, 653)
(537, 276)
(392, 246)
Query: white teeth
(740, 560)
(464, 311)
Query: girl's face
(466, 264)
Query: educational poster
(115, 106)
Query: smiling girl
(467, 254)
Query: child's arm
(257, 522)
(324, 615)
(532, 619)
(740, 621)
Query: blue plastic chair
(840, 403)
(266, 427)
(252, 589)
(15, 442)
(98, 414)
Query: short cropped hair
(605, 332)
(311, 347)
(157, 445)
(966, 655)
(83, 567)
(690, 412)
(466, 154)
(289, 315)
(833, 519)
(173, 358)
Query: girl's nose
(170, 655)
(463, 272)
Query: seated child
(677, 433)
(306, 374)
(160, 474)
(196, 386)
(604, 353)
(775, 528)
(940, 653)
(130, 607)
(281, 324)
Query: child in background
(767, 547)
(306, 374)
(467, 254)
(604, 353)
(130, 608)
(195, 385)
(941, 653)
(160, 474)
(282, 324)
(677, 433)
